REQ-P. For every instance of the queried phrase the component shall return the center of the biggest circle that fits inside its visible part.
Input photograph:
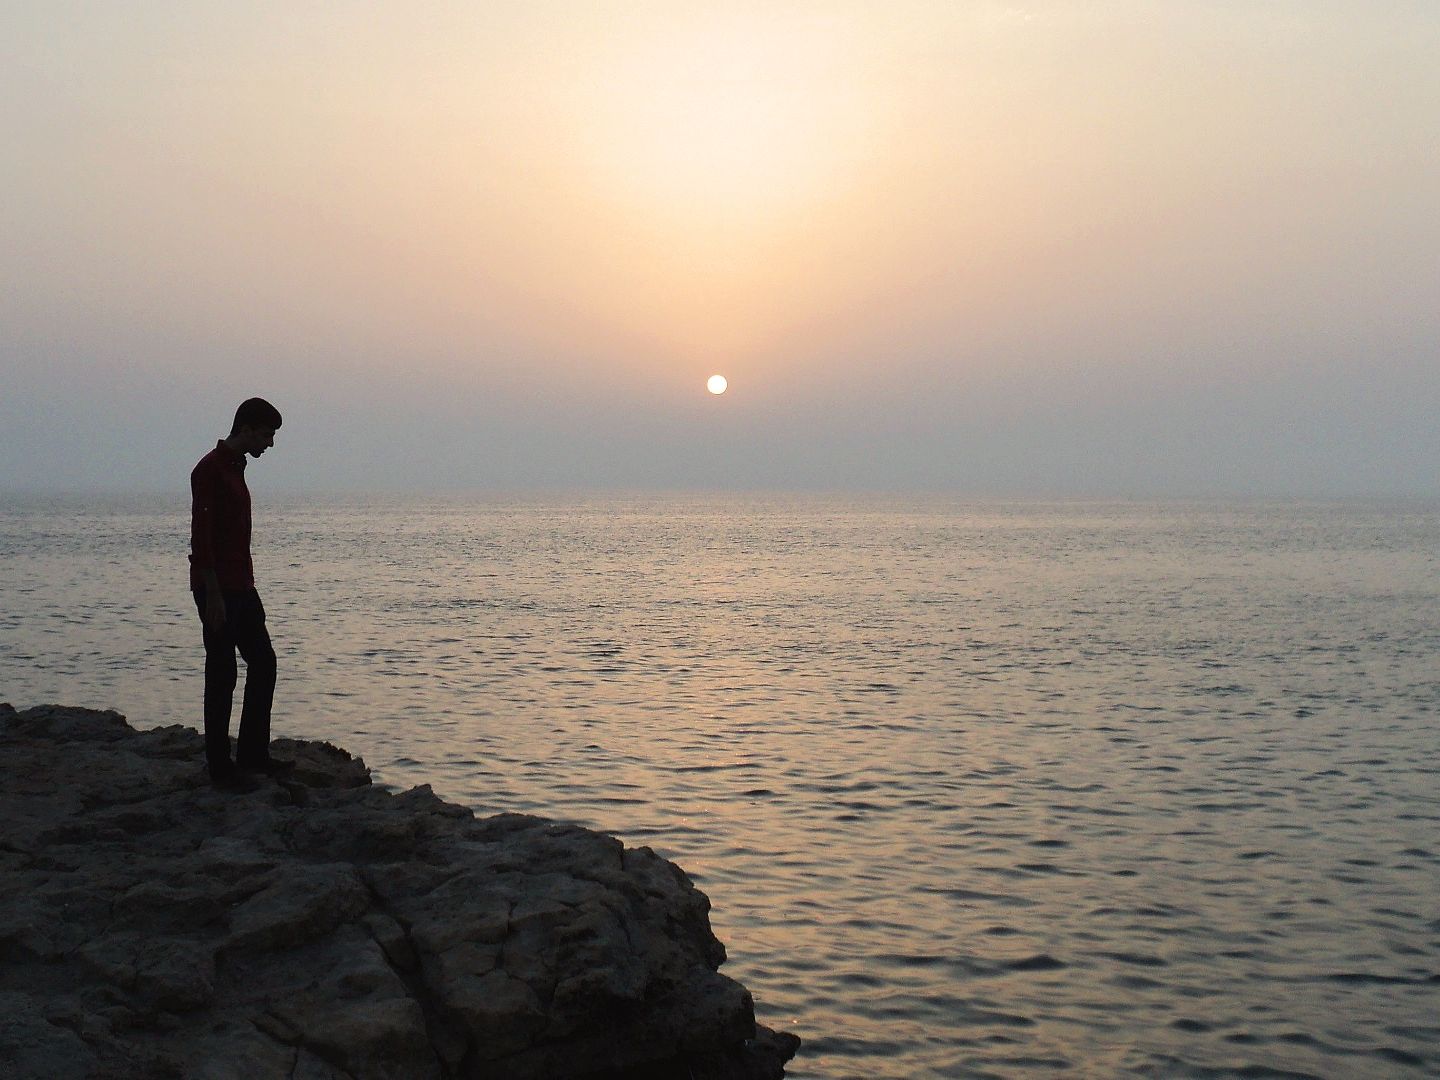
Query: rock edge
(323, 928)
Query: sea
(982, 788)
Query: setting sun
(1043, 313)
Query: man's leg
(220, 676)
(247, 622)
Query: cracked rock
(326, 929)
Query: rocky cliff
(323, 928)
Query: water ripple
(976, 789)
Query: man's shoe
(271, 766)
(234, 781)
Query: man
(222, 578)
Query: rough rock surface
(323, 928)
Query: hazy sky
(1145, 247)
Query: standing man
(222, 578)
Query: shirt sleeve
(204, 498)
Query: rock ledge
(323, 928)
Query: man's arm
(204, 493)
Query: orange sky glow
(867, 206)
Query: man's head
(256, 422)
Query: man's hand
(214, 609)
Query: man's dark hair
(255, 413)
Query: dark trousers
(244, 631)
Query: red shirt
(220, 520)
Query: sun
(717, 384)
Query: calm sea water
(977, 789)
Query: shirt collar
(230, 457)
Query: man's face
(255, 441)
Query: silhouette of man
(222, 578)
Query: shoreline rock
(323, 928)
